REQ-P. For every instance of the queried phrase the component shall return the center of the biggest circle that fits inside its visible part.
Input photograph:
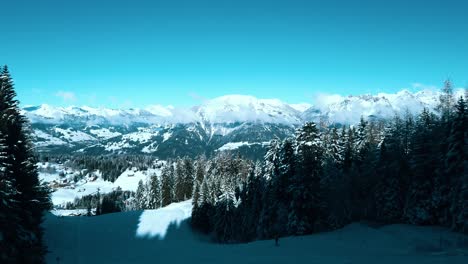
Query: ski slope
(164, 236)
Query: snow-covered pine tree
(31, 198)
(281, 185)
(8, 209)
(154, 194)
(441, 193)
(167, 184)
(306, 205)
(392, 173)
(419, 207)
(446, 102)
(224, 223)
(200, 171)
(268, 215)
(456, 163)
(141, 196)
(272, 158)
(188, 178)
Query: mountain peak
(247, 108)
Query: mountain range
(233, 122)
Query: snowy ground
(162, 236)
(66, 190)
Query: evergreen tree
(141, 196)
(179, 185)
(306, 205)
(31, 198)
(167, 184)
(446, 102)
(457, 164)
(419, 207)
(224, 223)
(154, 192)
(188, 178)
(393, 171)
(197, 182)
(8, 208)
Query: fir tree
(419, 207)
(31, 198)
(141, 196)
(167, 184)
(154, 192)
(307, 207)
(457, 164)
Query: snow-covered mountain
(231, 122)
(244, 108)
(225, 109)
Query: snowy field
(66, 190)
(162, 236)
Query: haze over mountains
(231, 122)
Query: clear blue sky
(135, 53)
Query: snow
(68, 190)
(74, 212)
(140, 136)
(104, 133)
(242, 108)
(246, 108)
(155, 223)
(74, 136)
(236, 145)
(153, 147)
(129, 179)
(47, 139)
(163, 235)
(301, 107)
(117, 146)
(166, 136)
(63, 195)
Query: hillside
(164, 236)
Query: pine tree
(188, 178)
(197, 182)
(419, 206)
(446, 102)
(154, 192)
(31, 198)
(141, 196)
(457, 164)
(8, 208)
(167, 184)
(179, 184)
(224, 223)
(307, 207)
(392, 169)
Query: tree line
(408, 170)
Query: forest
(410, 169)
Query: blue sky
(135, 53)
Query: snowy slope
(66, 190)
(163, 236)
(245, 108)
